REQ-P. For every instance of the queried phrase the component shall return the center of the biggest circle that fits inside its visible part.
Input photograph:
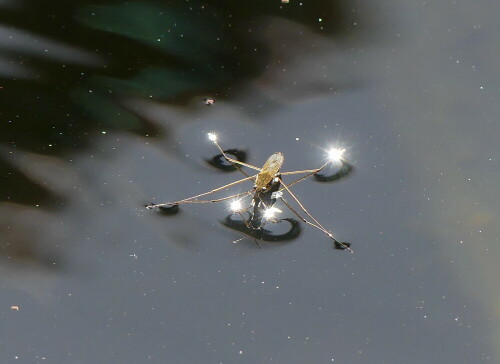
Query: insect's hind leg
(201, 194)
(316, 223)
(338, 244)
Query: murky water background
(103, 112)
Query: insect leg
(319, 226)
(310, 171)
(207, 201)
(337, 243)
(240, 239)
(234, 161)
(300, 216)
(248, 227)
(201, 194)
(256, 242)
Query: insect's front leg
(213, 138)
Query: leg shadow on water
(345, 169)
(234, 222)
(219, 162)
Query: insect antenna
(257, 243)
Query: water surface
(103, 111)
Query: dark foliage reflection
(98, 56)
(75, 66)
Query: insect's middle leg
(311, 171)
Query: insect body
(269, 171)
(268, 188)
(263, 203)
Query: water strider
(268, 188)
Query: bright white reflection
(271, 212)
(236, 206)
(212, 137)
(335, 154)
(277, 194)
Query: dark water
(102, 111)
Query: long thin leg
(201, 194)
(329, 234)
(316, 170)
(314, 225)
(207, 201)
(231, 160)
(248, 227)
(312, 172)
(300, 216)
(256, 242)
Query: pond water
(103, 111)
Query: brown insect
(268, 188)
